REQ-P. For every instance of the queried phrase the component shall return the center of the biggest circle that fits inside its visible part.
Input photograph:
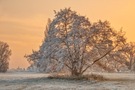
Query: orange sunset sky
(22, 22)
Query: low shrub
(82, 77)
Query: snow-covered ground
(38, 81)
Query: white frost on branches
(72, 42)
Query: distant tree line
(75, 44)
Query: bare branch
(98, 59)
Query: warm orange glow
(22, 22)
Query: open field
(38, 81)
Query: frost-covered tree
(67, 42)
(5, 53)
(72, 42)
(34, 58)
(105, 39)
(128, 51)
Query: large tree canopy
(72, 42)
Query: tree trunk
(75, 73)
(130, 63)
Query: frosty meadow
(72, 52)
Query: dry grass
(83, 77)
(95, 77)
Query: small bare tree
(5, 53)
